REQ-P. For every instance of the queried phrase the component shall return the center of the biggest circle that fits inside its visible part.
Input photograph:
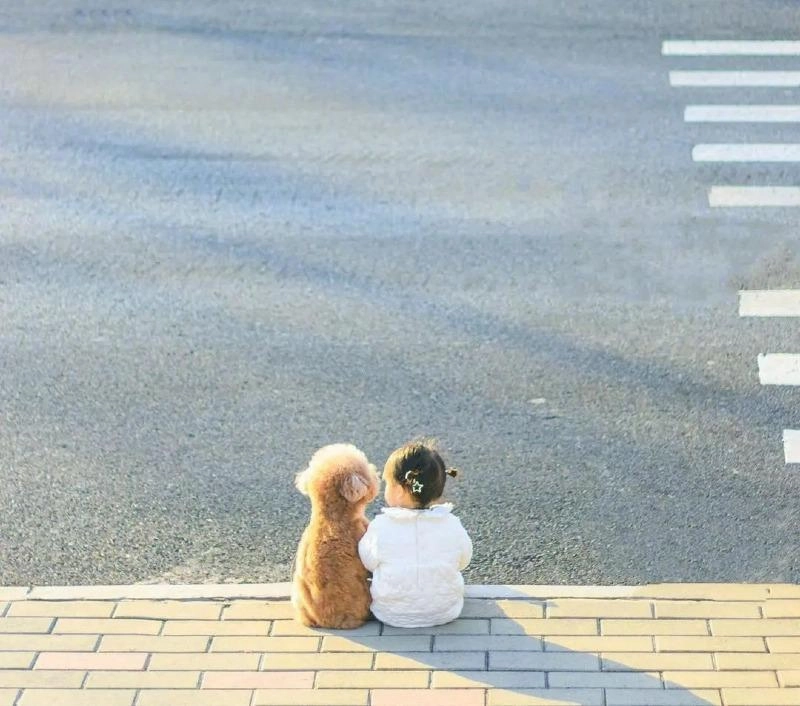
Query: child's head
(415, 475)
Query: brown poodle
(329, 587)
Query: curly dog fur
(329, 586)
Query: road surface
(232, 232)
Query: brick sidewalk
(234, 645)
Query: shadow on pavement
(489, 647)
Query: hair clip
(411, 479)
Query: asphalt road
(234, 231)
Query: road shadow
(494, 646)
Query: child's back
(416, 553)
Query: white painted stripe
(784, 79)
(769, 302)
(791, 445)
(753, 196)
(756, 152)
(779, 369)
(742, 114)
(730, 48)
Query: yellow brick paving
(660, 645)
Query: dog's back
(330, 583)
(330, 586)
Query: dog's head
(339, 471)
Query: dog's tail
(304, 600)
(302, 596)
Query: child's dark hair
(419, 468)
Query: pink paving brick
(426, 697)
(258, 680)
(90, 660)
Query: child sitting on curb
(416, 548)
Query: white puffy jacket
(416, 557)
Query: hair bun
(452, 472)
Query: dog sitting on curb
(329, 583)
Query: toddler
(416, 548)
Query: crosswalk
(720, 113)
(773, 368)
(754, 196)
(723, 196)
(776, 368)
(770, 302)
(719, 79)
(753, 152)
(735, 47)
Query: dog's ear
(353, 487)
(301, 481)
